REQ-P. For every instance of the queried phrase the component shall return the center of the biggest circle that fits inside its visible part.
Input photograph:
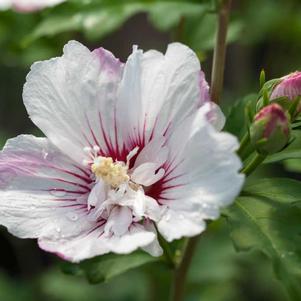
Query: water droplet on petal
(72, 216)
(33, 207)
(58, 192)
(58, 229)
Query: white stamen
(131, 154)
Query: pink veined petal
(96, 243)
(202, 176)
(43, 196)
(157, 91)
(43, 193)
(72, 99)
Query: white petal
(175, 224)
(119, 221)
(97, 195)
(153, 152)
(33, 5)
(71, 99)
(140, 204)
(204, 89)
(43, 193)
(214, 115)
(153, 248)
(146, 174)
(5, 4)
(95, 243)
(158, 91)
(210, 167)
(203, 175)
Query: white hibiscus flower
(131, 149)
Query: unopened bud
(270, 130)
(289, 86)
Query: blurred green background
(262, 34)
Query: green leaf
(293, 165)
(236, 117)
(100, 18)
(96, 21)
(200, 32)
(165, 15)
(103, 268)
(266, 217)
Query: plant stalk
(217, 76)
(179, 281)
(257, 160)
(244, 144)
(180, 274)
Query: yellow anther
(113, 173)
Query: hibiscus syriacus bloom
(28, 5)
(130, 148)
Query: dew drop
(58, 192)
(72, 216)
(58, 229)
(32, 207)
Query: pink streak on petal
(204, 89)
(289, 86)
(109, 63)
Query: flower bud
(270, 130)
(289, 86)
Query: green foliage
(238, 115)
(266, 217)
(39, 33)
(103, 268)
(100, 18)
(14, 290)
(56, 286)
(200, 32)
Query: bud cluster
(270, 130)
(280, 106)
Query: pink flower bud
(289, 86)
(270, 130)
